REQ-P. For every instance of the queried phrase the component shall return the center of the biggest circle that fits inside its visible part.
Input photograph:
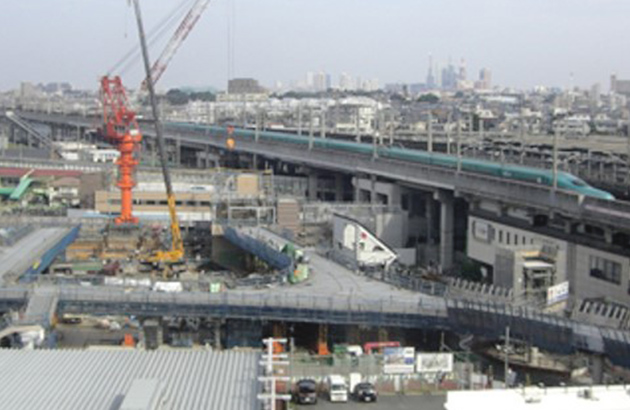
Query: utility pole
(430, 142)
(459, 144)
(391, 129)
(310, 128)
(506, 368)
(358, 124)
(555, 158)
(270, 359)
(257, 132)
(448, 133)
(628, 153)
(323, 124)
(300, 118)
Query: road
(328, 278)
(15, 260)
(424, 402)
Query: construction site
(228, 265)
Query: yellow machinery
(176, 253)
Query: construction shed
(124, 379)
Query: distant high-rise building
(244, 86)
(310, 80)
(430, 77)
(319, 81)
(596, 90)
(485, 79)
(618, 86)
(449, 78)
(346, 82)
(462, 71)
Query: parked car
(365, 392)
(305, 392)
(337, 388)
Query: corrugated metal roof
(99, 379)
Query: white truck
(337, 388)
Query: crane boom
(178, 38)
(177, 250)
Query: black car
(306, 392)
(365, 392)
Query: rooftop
(102, 379)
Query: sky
(524, 43)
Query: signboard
(398, 360)
(481, 231)
(557, 293)
(434, 362)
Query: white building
(536, 398)
(591, 272)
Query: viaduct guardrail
(480, 318)
(615, 214)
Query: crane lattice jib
(117, 116)
(178, 38)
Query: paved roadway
(329, 279)
(17, 259)
(424, 402)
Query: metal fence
(371, 369)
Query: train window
(578, 182)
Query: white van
(337, 388)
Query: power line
(155, 34)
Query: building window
(507, 238)
(500, 236)
(605, 269)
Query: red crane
(121, 129)
(120, 124)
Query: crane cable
(155, 34)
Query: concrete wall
(586, 286)
(392, 228)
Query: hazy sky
(523, 42)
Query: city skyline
(555, 44)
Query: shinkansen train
(566, 181)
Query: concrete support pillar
(357, 189)
(395, 199)
(373, 194)
(178, 152)
(339, 187)
(217, 334)
(153, 155)
(608, 235)
(429, 215)
(312, 186)
(322, 340)
(447, 221)
(597, 368)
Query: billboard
(557, 293)
(434, 362)
(399, 360)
